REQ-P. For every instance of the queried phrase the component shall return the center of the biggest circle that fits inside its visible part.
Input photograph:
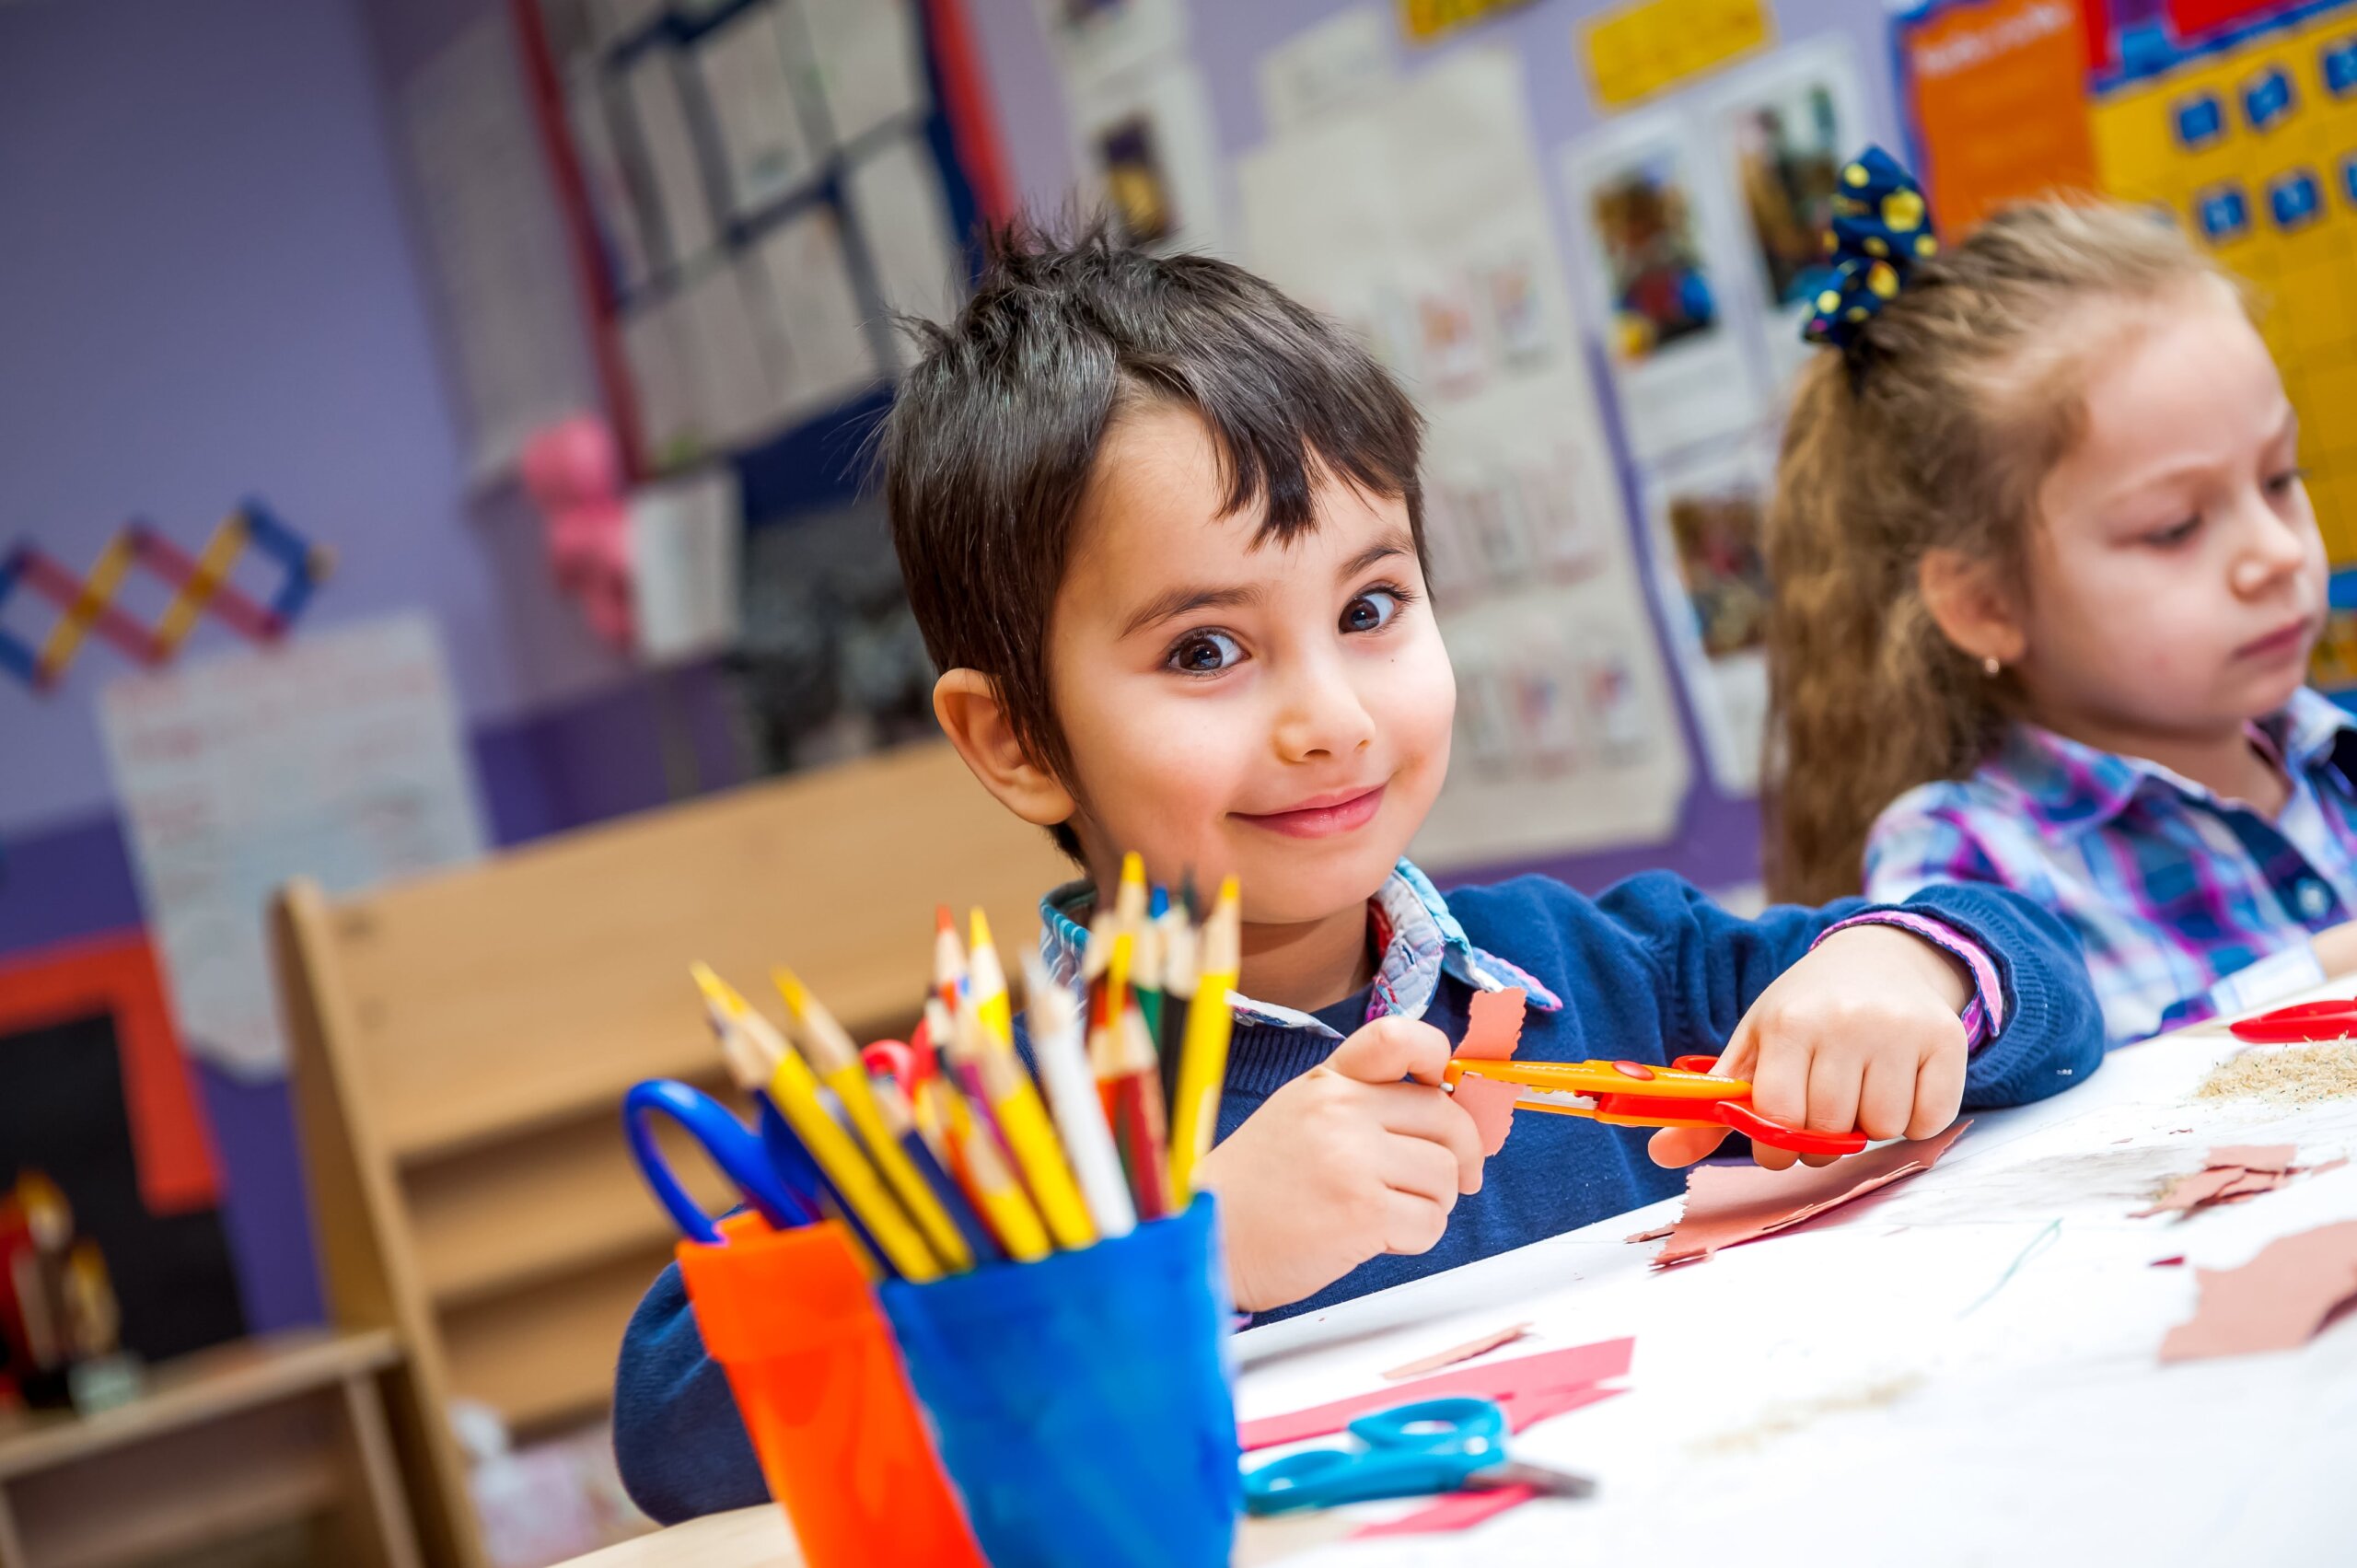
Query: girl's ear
(1972, 605)
(966, 702)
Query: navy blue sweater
(1650, 970)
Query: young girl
(2047, 578)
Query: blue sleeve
(1712, 965)
(681, 1447)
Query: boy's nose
(1322, 715)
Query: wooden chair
(461, 1043)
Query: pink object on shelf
(572, 471)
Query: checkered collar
(1421, 941)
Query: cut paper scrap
(1529, 1388)
(1727, 1205)
(1493, 1032)
(2277, 1301)
(2231, 1173)
(1455, 1354)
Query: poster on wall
(1964, 67)
(1146, 147)
(1093, 39)
(1421, 224)
(1661, 254)
(1710, 576)
(1780, 131)
(337, 756)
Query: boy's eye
(2176, 534)
(1371, 612)
(1204, 652)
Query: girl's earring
(1991, 668)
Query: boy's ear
(966, 702)
(1972, 605)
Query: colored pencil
(1202, 1069)
(1138, 1130)
(1181, 953)
(836, 1058)
(1022, 1120)
(1057, 1047)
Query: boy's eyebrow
(1186, 600)
(1382, 549)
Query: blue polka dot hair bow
(1881, 229)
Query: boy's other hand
(1347, 1161)
(1864, 1032)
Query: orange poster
(1996, 93)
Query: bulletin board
(2239, 118)
(756, 187)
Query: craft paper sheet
(1420, 223)
(335, 756)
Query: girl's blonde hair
(1933, 429)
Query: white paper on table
(743, 64)
(814, 315)
(1779, 130)
(1659, 252)
(687, 537)
(1148, 150)
(1098, 38)
(868, 58)
(736, 387)
(655, 341)
(335, 756)
(895, 198)
(589, 111)
(1328, 65)
(1420, 222)
(683, 213)
(1711, 577)
(501, 266)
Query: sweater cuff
(1984, 1012)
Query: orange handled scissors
(1630, 1094)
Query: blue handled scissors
(1448, 1445)
(771, 1170)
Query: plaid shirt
(2187, 906)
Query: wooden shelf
(546, 1353)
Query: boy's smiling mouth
(1321, 816)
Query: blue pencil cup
(1081, 1405)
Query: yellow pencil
(1013, 1102)
(998, 1194)
(1202, 1068)
(986, 981)
(835, 1056)
(794, 1088)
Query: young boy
(1162, 530)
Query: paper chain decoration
(199, 583)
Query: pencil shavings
(2233, 1173)
(1455, 1354)
(1728, 1205)
(2277, 1301)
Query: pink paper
(1457, 1511)
(2255, 1156)
(1455, 1354)
(1491, 1104)
(2277, 1301)
(1492, 1025)
(1727, 1205)
(1529, 1388)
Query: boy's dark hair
(988, 448)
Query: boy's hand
(1864, 1032)
(1341, 1163)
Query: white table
(1865, 1388)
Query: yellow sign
(1424, 20)
(1640, 49)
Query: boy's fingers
(1412, 1224)
(1675, 1146)
(1391, 1049)
(1412, 1111)
(1939, 1094)
(1887, 1102)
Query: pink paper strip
(1455, 1354)
(1492, 1025)
(1529, 1387)
(1490, 1104)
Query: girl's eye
(1204, 652)
(1372, 611)
(2173, 535)
(2283, 484)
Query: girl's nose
(2275, 546)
